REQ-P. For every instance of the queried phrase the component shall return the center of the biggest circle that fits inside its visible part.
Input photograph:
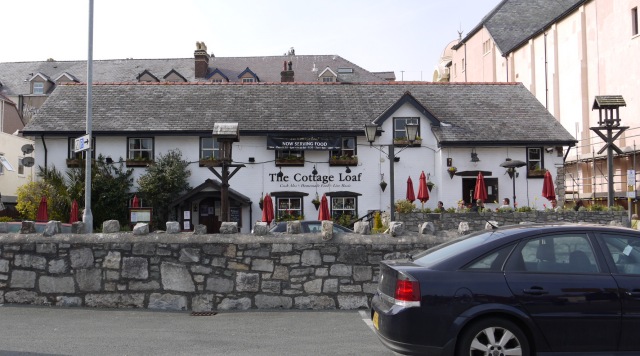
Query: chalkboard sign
(234, 215)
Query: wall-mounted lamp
(474, 156)
(109, 160)
(348, 170)
(280, 174)
(315, 171)
(252, 159)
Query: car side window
(492, 261)
(624, 251)
(566, 253)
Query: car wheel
(493, 336)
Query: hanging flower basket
(430, 185)
(452, 171)
(316, 203)
(383, 185)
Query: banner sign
(303, 143)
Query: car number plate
(375, 320)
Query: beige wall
(10, 148)
(9, 117)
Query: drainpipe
(546, 74)
(465, 80)
(46, 152)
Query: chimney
(286, 76)
(201, 60)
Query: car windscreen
(434, 255)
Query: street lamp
(511, 165)
(411, 132)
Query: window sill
(538, 173)
(138, 163)
(209, 163)
(290, 162)
(404, 143)
(343, 162)
(75, 163)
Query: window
(348, 148)
(140, 149)
(345, 70)
(570, 253)
(38, 88)
(216, 80)
(463, 66)
(20, 166)
(486, 46)
(343, 206)
(82, 154)
(289, 208)
(492, 262)
(290, 157)
(398, 126)
(634, 21)
(327, 79)
(209, 148)
(625, 252)
(4, 164)
(248, 80)
(535, 163)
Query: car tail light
(407, 293)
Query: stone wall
(478, 221)
(196, 272)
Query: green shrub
(403, 206)
(5, 219)
(524, 209)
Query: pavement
(30, 330)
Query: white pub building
(296, 141)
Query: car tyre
(493, 336)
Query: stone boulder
(294, 227)
(327, 230)
(463, 228)
(362, 228)
(173, 227)
(396, 228)
(229, 227)
(490, 225)
(427, 228)
(4, 227)
(200, 229)
(111, 227)
(141, 229)
(260, 228)
(78, 227)
(28, 227)
(52, 228)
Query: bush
(5, 219)
(404, 206)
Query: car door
(559, 281)
(622, 252)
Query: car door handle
(535, 291)
(634, 293)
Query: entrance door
(207, 215)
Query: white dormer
(327, 76)
(40, 84)
(65, 78)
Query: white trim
(6, 163)
(327, 69)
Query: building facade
(565, 53)
(302, 140)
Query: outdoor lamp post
(511, 165)
(411, 132)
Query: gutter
(46, 152)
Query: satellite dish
(26, 149)
(28, 161)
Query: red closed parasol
(43, 214)
(323, 213)
(267, 209)
(411, 196)
(548, 191)
(73, 217)
(423, 191)
(136, 202)
(480, 191)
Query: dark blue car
(520, 290)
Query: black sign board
(303, 143)
(234, 215)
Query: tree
(110, 191)
(163, 183)
(29, 196)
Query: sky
(404, 36)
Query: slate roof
(489, 114)
(513, 22)
(15, 76)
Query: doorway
(209, 214)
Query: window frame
(533, 172)
(280, 211)
(249, 80)
(345, 150)
(38, 88)
(21, 167)
(335, 208)
(133, 150)
(399, 133)
(214, 150)
(289, 157)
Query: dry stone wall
(196, 272)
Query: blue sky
(405, 36)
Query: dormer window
(174, 76)
(217, 76)
(146, 76)
(327, 76)
(38, 88)
(247, 76)
(66, 78)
